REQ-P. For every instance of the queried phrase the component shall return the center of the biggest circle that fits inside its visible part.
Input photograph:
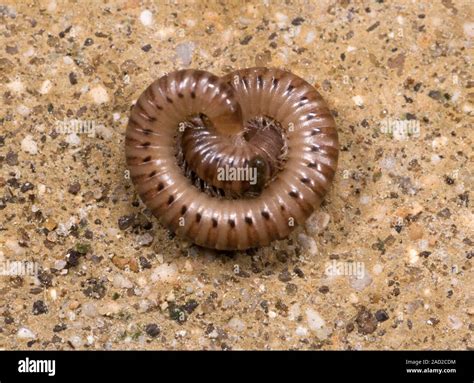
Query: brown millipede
(231, 162)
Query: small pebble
(29, 145)
(99, 95)
(146, 18)
(25, 333)
(152, 330)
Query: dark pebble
(74, 188)
(246, 40)
(144, 263)
(448, 180)
(373, 26)
(45, 278)
(190, 306)
(27, 186)
(94, 288)
(39, 308)
(60, 327)
(299, 272)
(88, 42)
(126, 221)
(366, 322)
(291, 288)
(72, 258)
(424, 254)
(73, 78)
(11, 158)
(152, 330)
(435, 95)
(284, 276)
(381, 315)
(324, 289)
(146, 48)
(297, 21)
(445, 213)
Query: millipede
(232, 162)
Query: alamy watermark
(400, 129)
(340, 268)
(78, 126)
(231, 173)
(18, 268)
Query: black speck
(152, 330)
(39, 308)
(381, 315)
(373, 26)
(435, 95)
(246, 40)
(27, 186)
(448, 180)
(73, 78)
(297, 21)
(144, 262)
(125, 221)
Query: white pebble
(184, 52)
(377, 269)
(103, 132)
(314, 320)
(73, 139)
(60, 264)
(317, 222)
(469, 30)
(439, 142)
(15, 247)
(99, 95)
(23, 110)
(237, 324)
(25, 333)
(121, 282)
(146, 18)
(358, 100)
(301, 331)
(310, 37)
(435, 159)
(454, 322)
(16, 86)
(308, 243)
(165, 273)
(360, 282)
(45, 87)
(89, 309)
(282, 19)
(29, 145)
(76, 341)
(364, 200)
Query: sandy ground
(386, 263)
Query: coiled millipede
(231, 162)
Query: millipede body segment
(231, 162)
